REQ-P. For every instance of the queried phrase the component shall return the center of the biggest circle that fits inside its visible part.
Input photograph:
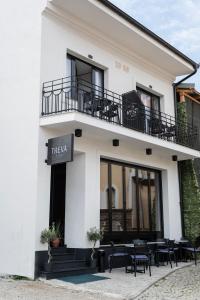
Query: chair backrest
(197, 242)
(141, 248)
(139, 242)
(162, 244)
(113, 249)
(171, 244)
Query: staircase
(64, 262)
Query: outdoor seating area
(140, 255)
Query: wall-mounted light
(115, 143)
(174, 157)
(78, 132)
(90, 56)
(148, 151)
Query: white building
(102, 57)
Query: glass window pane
(155, 202)
(143, 200)
(104, 215)
(155, 103)
(117, 199)
(131, 206)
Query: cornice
(74, 22)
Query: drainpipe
(175, 84)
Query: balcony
(72, 94)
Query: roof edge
(144, 29)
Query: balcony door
(87, 81)
(151, 107)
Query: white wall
(20, 41)
(83, 186)
(75, 202)
(121, 72)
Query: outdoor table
(181, 241)
(156, 243)
(129, 245)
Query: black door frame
(55, 194)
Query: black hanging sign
(60, 149)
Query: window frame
(128, 235)
(151, 95)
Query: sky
(176, 21)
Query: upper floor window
(150, 101)
(85, 75)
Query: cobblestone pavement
(183, 284)
(36, 290)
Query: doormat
(83, 278)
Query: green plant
(50, 234)
(94, 235)
(190, 188)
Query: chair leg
(157, 260)
(195, 258)
(149, 268)
(170, 260)
(135, 267)
(175, 259)
(110, 265)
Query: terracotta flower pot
(55, 243)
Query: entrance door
(57, 197)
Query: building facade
(86, 68)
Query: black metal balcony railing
(74, 94)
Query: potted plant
(94, 235)
(52, 237)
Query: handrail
(75, 94)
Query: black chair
(170, 132)
(141, 256)
(110, 111)
(156, 126)
(167, 252)
(117, 256)
(191, 249)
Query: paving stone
(182, 284)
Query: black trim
(161, 203)
(175, 84)
(144, 29)
(181, 199)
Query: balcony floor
(105, 131)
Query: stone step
(62, 256)
(65, 264)
(68, 272)
(62, 249)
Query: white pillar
(75, 202)
(82, 198)
(171, 203)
